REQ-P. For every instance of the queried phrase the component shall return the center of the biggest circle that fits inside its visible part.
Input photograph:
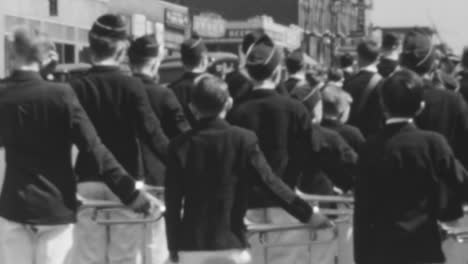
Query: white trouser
(27, 244)
(99, 244)
(290, 247)
(215, 257)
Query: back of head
(335, 101)
(263, 59)
(210, 95)
(107, 36)
(193, 51)
(402, 94)
(368, 51)
(143, 49)
(30, 45)
(335, 75)
(418, 52)
(346, 60)
(295, 61)
(250, 39)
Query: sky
(450, 17)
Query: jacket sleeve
(173, 198)
(338, 160)
(175, 114)
(263, 173)
(85, 137)
(461, 131)
(148, 124)
(453, 183)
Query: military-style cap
(418, 52)
(143, 48)
(192, 50)
(263, 58)
(110, 26)
(295, 60)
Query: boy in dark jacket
(39, 122)
(336, 109)
(211, 170)
(145, 55)
(409, 179)
(118, 106)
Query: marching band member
(210, 172)
(118, 106)
(39, 122)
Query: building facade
(330, 23)
(68, 22)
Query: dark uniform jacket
(283, 127)
(239, 86)
(408, 180)
(209, 174)
(290, 84)
(351, 134)
(118, 106)
(463, 80)
(39, 121)
(334, 163)
(447, 113)
(369, 119)
(173, 122)
(183, 90)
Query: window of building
(53, 7)
(66, 52)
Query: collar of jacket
(328, 122)
(144, 78)
(399, 127)
(19, 75)
(105, 68)
(261, 93)
(212, 122)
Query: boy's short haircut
(402, 93)
(31, 44)
(107, 35)
(368, 50)
(295, 61)
(335, 101)
(335, 75)
(193, 51)
(346, 60)
(210, 94)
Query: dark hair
(402, 93)
(210, 94)
(346, 60)
(368, 50)
(335, 74)
(103, 47)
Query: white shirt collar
(396, 120)
(370, 68)
(298, 76)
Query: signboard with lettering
(237, 33)
(176, 20)
(209, 25)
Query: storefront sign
(176, 20)
(209, 25)
(237, 33)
